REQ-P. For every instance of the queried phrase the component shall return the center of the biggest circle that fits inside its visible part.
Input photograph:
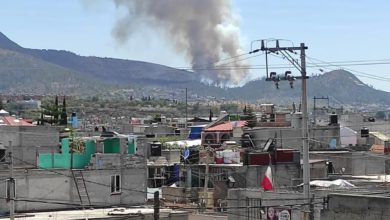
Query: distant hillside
(345, 87)
(24, 74)
(340, 86)
(25, 70)
(111, 70)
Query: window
(2, 155)
(115, 184)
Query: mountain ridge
(126, 70)
(98, 74)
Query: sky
(333, 30)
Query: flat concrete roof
(91, 213)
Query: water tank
(364, 132)
(73, 120)
(246, 140)
(329, 167)
(296, 120)
(155, 149)
(333, 118)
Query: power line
(223, 66)
(135, 190)
(362, 74)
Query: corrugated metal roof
(227, 126)
(380, 136)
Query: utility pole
(206, 177)
(11, 184)
(156, 213)
(305, 145)
(285, 52)
(186, 110)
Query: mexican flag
(267, 180)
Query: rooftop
(227, 126)
(108, 213)
(380, 136)
(12, 121)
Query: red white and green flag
(267, 180)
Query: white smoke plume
(204, 30)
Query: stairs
(81, 187)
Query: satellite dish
(186, 154)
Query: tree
(380, 115)
(250, 117)
(231, 108)
(1, 104)
(52, 110)
(156, 119)
(64, 116)
(56, 110)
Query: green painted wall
(111, 146)
(63, 160)
(131, 144)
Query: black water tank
(155, 149)
(246, 140)
(333, 119)
(364, 132)
(329, 167)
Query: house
(83, 172)
(12, 121)
(348, 137)
(27, 140)
(354, 162)
(381, 148)
(216, 134)
(322, 137)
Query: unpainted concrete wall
(239, 198)
(292, 137)
(356, 163)
(49, 187)
(282, 174)
(27, 141)
(356, 207)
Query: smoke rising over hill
(204, 30)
